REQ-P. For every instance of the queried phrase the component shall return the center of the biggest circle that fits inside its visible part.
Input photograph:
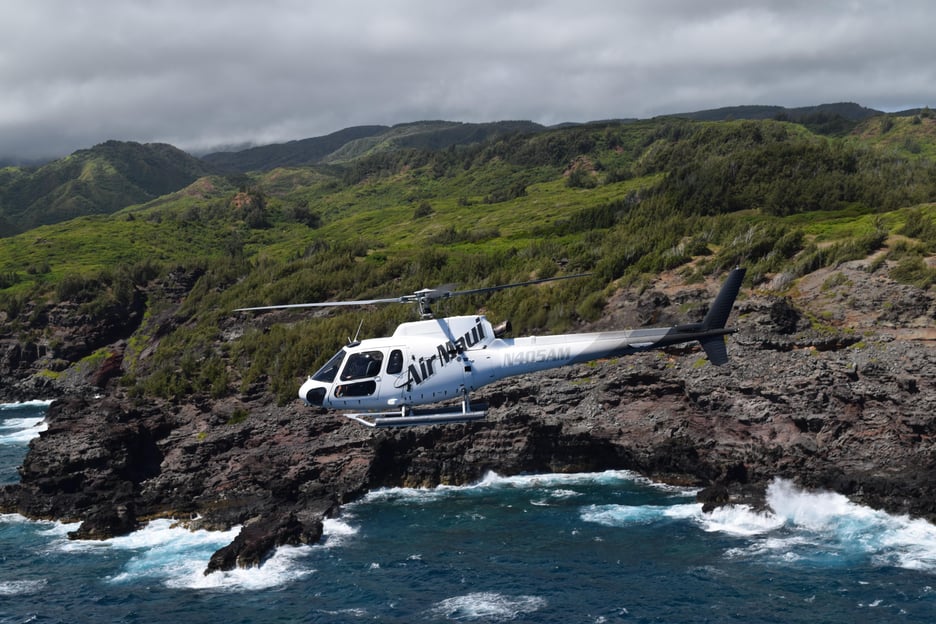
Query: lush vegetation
(621, 201)
(102, 179)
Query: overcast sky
(204, 73)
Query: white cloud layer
(214, 72)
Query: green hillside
(100, 180)
(291, 154)
(354, 143)
(830, 119)
(623, 201)
(429, 135)
(113, 175)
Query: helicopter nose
(312, 393)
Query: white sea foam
(352, 612)
(563, 493)
(46, 528)
(494, 481)
(910, 544)
(622, 515)
(177, 557)
(20, 588)
(827, 528)
(488, 606)
(336, 531)
(12, 406)
(282, 568)
(822, 527)
(551, 480)
(21, 430)
(8, 424)
(813, 510)
(738, 520)
(22, 422)
(414, 495)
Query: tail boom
(711, 331)
(513, 356)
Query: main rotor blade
(427, 295)
(488, 289)
(324, 304)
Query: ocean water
(591, 548)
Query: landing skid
(409, 417)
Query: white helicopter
(433, 360)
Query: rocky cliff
(833, 387)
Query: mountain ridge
(847, 110)
(115, 174)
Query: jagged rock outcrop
(256, 540)
(851, 409)
(79, 353)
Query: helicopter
(382, 382)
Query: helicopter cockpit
(351, 374)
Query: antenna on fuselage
(357, 334)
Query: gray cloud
(202, 74)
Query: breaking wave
(820, 528)
(20, 422)
(556, 484)
(175, 556)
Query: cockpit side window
(361, 365)
(395, 362)
(327, 373)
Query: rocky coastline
(833, 387)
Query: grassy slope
(376, 213)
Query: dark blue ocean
(590, 548)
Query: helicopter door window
(362, 365)
(356, 389)
(395, 362)
(327, 373)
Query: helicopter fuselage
(436, 360)
(433, 361)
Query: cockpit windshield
(328, 372)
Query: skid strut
(409, 417)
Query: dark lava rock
(257, 540)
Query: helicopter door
(360, 377)
(398, 384)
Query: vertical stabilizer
(715, 347)
(718, 313)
